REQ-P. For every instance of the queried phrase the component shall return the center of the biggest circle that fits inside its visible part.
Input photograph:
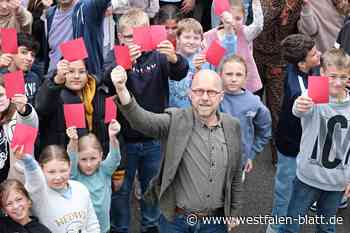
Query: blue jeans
(302, 198)
(145, 158)
(180, 225)
(285, 174)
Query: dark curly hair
(296, 47)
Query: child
(189, 36)
(15, 201)
(323, 172)
(23, 60)
(88, 168)
(61, 204)
(253, 116)
(304, 59)
(148, 81)
(237, 38)
(169, 15)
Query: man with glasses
(200, 175)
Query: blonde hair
(89, 141)
(336, 57)
(189, 24)
(7, 186)
(134, 17)
(237, 4)
(232, 59)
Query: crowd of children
(82, 179)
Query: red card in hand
(110, 109)
(143, 38)
(14, 83)
(220, 6)
(74, 114)
(122, 56)
(74, 50)
(215, 53)
(24, 135)
(159, 34)
(318, 89)
(9, 40)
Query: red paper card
(110, 109)
(143, 38)
(318, 89)
(74, 50)
(24, 135)
(9, 40)
(220, 6)
(74, 114)
(215, 53)
(122, 56)
(14, 83)
(159, 34)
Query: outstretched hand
(19, 152)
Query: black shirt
(7, 225)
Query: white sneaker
(313, 208)
(343, 203)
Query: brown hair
(336, 57)
(296, 47)
(134, 17)
(89, 141)
(6, 115)
(233, 58)
(7, 186)
(189, 24)
(53, 152)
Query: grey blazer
(173, 128)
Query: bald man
(200, 174)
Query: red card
(14, 83)
(318, 89)
(74, 114)
(143, 38)
(74, 50)
(110, 109)
(9, 40)
(122, 56)
(24, 135)
(220, 6)
(215, 53)
(159, 34)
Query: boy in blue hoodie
(253, 115)
(23, 60)
(323, 171)
(303, 58)
(148, 83)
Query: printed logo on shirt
(71, 219)
(250, 114)
(74, 227)
(335, 151)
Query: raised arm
(308, 23)
(150, 124)
(253, 30)
(72, 150)
(110, 164)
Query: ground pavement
(258, 197)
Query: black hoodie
(7, 225)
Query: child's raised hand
(303, 103)
(20, 102)
(134, 52)
(347, 191)
(248, 167)
(5, 60)
(62, 71)
(167, 48)
(227, 20)
(72, 133)
(199, 60)
(119, 78)
(19, 152)
(113, 128)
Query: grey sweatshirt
(323, 160)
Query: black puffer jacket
(7, 225)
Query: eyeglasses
(210, 93)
